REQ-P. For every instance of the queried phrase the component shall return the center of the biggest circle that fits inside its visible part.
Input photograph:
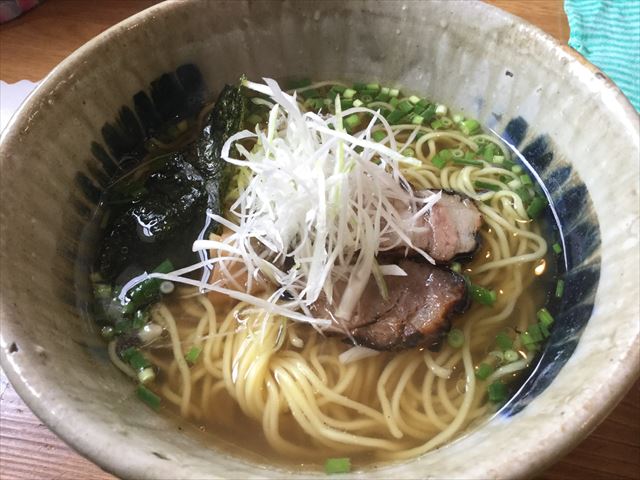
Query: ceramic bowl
(573, 126)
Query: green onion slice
(483, 371)
(455, 338)
(337, 465)
(148, 397)
(193, 354)
(497, 392)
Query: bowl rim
(584, 421)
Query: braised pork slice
(416, 312)
(449, 230)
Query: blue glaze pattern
(578, 229)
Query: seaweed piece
(161, 225)
(204, 154)
(157, 215)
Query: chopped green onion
(457, 118)
(456, 267)
(146, 291)
(384, 90)
(395, 116)
(517, 169)
(557, 248)
(349, 93)
(438, 161)
(526, 179)
(514, 184)
(503, 341)
(508, 164)
(559, 288)
(366, 98)
(441, 110)
(536, 207)
(357, 103)
(146, 375)
(483, 371)
(373, 86)
(455, 338)
(379, 135)
(497, 392)
(544, 317)
(423, 103)
(337, 465)
(523, 193)
(394, 92)
(382, 97)
(511, 356)
(417, 120)
(527, 341)
(413, 99)
(486, 186)
(534, 331)
(457, 153)
(446, 154)
(193, 354)
(148, 397)
(139, 319)
(138, 361)
(405, 106)
(545, 330)
(469, 127)
(409, 152)
(346, 103)
(482, 295)
(488, 152)
(429, 113)
(352, 121)
(394, 102)
(436, 124)
(446, 122)
(339, 88)
(499, 159)
(359, 86)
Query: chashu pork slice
(448, 230)
(417, 311)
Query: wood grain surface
(29, 48)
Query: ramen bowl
(570, 122)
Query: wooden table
(31, 46)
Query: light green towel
(607, 33)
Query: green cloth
(607, 33)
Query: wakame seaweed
(156, 214)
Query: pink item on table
(10, 9)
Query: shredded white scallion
(356, 353)
(315, 207)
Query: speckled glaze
(573, 126)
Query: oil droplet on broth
(540, 268)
